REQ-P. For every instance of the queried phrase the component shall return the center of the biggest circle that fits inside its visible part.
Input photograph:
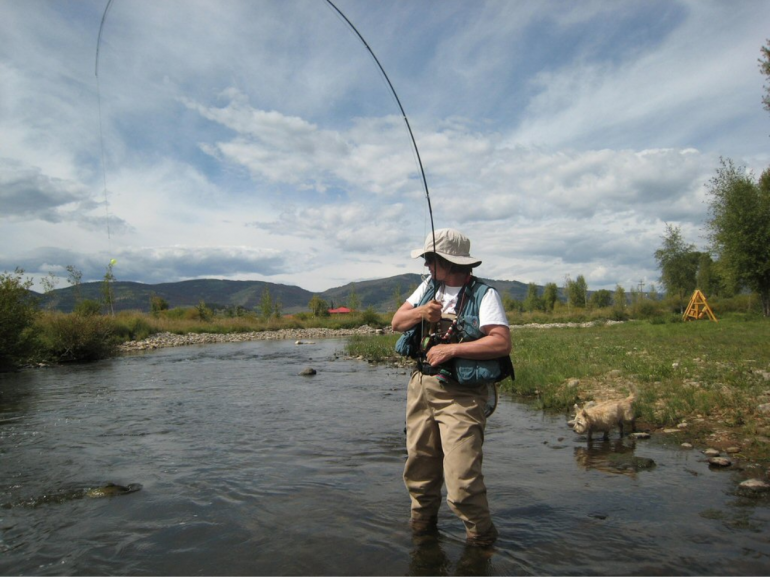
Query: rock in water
(308, 371)
(111, 490)
(720, 462)
(754, 485)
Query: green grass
(696, 371)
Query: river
(248, 468)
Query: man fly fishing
(456, 329)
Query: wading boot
(424, 526)
(485, 540)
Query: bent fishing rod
(403, 114)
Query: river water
(248, 468)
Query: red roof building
(339, 310)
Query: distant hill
(380, 294)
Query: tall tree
(265, 303)
(678, 264)
(619, 298)
(354, 301)
(533, 302)
(764, 68)
(318, 306)
(577, 291)
(107, 287)
(74, 276)
(601, 298)
(550, 296)
(17, 315)
(706, 278)
(739, 227)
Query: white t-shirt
(491, 311)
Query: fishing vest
(464, 371)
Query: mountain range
(380, 294)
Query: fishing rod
(403, 114)
(432, 328)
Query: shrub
(88, 307)
(646, 309)
(17, 314)
(77, 337)
(132, 328)
(371, 318)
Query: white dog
(604, 416)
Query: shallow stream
(248, 468)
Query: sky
(258, 139)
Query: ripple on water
(249, 468)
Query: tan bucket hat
(451, 245)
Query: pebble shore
(160, 340)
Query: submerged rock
(308, 371)
(630, 462)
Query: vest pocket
(476, 371)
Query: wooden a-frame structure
(698, 308)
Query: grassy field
(715, 377)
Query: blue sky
(256, 139)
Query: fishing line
(101, 130)
(374, 57)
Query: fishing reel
(445, 331)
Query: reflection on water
(248, 468)
(612, 457)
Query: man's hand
(431, 311)
(441, 353)
(496, 343)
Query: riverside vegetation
(700, 382)
(707, 382)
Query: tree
(705, 280)
(619, 303)
(398, 300)
(266, 303)
(107, 291)
(354, 301)
(533, 302)
(739, 227)
(157, 304)
(764, 68)
(318, 306)
(550, 296)
(678, 263)
(202, 312)
(49, 284)
(17, 314)
(74, 276)
(577, 291)
(601, 298)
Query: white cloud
(258, 140)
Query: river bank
(161, 340)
